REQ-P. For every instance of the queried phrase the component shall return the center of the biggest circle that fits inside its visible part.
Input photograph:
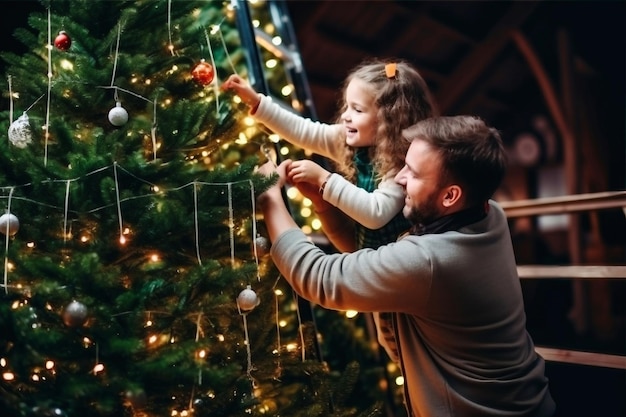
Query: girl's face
(360, 117)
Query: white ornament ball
(20, 134)
(247, 299)
(9, 223)
(118, 116)
(75, 314)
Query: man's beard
(426, 213)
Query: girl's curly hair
(402, 100)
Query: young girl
(379, 100)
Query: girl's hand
(307, 171)
(243, 90)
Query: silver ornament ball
(262, 245)
(247, 299)
(9, 224)
(20, 134)
(75, 314)
(118, 116)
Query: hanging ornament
(63, 41)
(75, 314)
(9, 223)
(118, 116)
(247, 299)
(20, 134)
(203, 73)
(262, 245)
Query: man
(446, 297)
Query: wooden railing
(562, 205)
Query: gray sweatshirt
(458, 315)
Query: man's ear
(452, 195)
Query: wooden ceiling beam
(479, 59)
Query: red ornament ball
(63, 41)
(203, 73)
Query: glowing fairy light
(241, 140)
(271, 63)
(98, 368)
(316, 224)
(286, 90)
(49, 365)
(351, 314)
(277, 40)
(249, 121)
(67, 65)
(306, 212)
(293, 193)
(8, 376)
(269, 28)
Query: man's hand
(275, 213)
(268, 169)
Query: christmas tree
(136, 280)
